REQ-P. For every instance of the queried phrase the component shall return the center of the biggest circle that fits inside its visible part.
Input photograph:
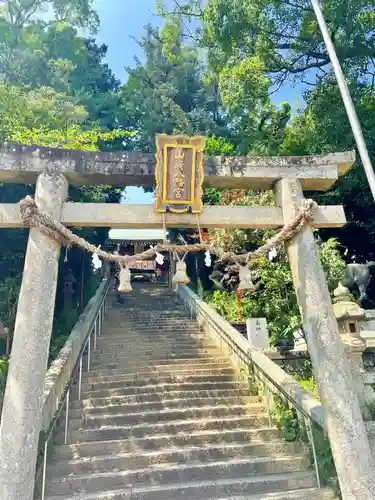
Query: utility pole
(346, 97)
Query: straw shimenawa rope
(33, 217)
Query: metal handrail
(247, 358)
(94, 329)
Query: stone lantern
(349, 316)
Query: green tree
(280, 38)
(322, 128)
(47, 118)
(46, 51)
(166, 93)
(21, 13)
(274, 297)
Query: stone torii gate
(53, 169)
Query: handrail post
(310, 435)
(95, 334)
(66, 416)
(80, 378)
(268, 402)
(44, 469)
(89, 352)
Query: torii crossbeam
(23, 164)
(288, 176)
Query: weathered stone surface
(138, 216)
(61, 369)
(22, 408)
(22, 164)
(343, 419)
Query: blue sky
(120, 20)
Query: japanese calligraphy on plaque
(179, 173)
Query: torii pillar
(23, 399)
(344, 423)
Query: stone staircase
(163, 417)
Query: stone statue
(357, 275)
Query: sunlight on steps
(163, 417)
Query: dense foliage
(214, 68)
(257, 48)
(55, 90)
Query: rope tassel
(33, 217)
(181, 277)
(125, 280)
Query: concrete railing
(67, 367)
(237, 347)
(61, 370)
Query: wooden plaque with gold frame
(179, 173)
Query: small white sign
(257, 334)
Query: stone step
(90, 421)
(159, 388)
(161, 365)
(139, 306)
(119, 375)
(181, 354)
(143, 308)
(156, 493)
(262, 441)
(172, 427)
(144, 347)
(181, 325)
(190, 351)
(151, 352)
(227, 469)
(146, 361)
(304, 494)
(152, 335)
(150, 297)
(123, 336)
(163, 397)
(126, 339)
(134, 381)
(165, 312)
(86, 420)
(133, 311)
(133, 317)
(126, 407)
(149, 323)
(137, 460)
(129, 317)
(150, 318)
(151, 301)
(149, 361)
